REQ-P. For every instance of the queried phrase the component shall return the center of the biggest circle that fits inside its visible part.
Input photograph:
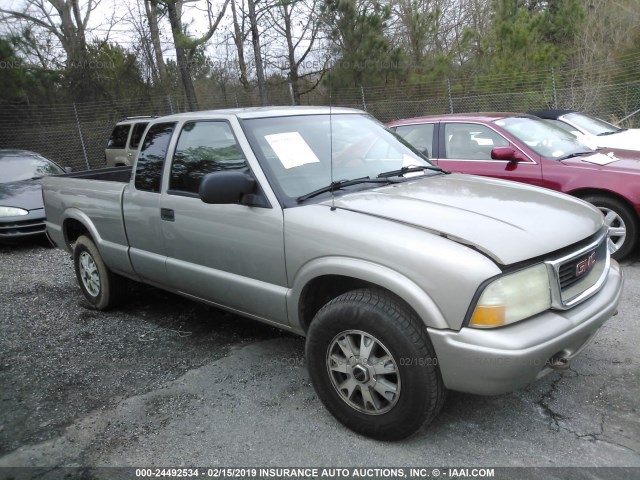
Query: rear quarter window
(136, 135)
(152, 156)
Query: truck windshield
(545, 139)
(306, 153)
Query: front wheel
(101, 287)
(622, 223)
(373, 366)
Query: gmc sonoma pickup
(405, 279)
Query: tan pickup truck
(407, 280)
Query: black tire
(100, 286)
(392, 328)
(622, 217)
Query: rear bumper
(491, 362)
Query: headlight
(12, 211)
(513, 298)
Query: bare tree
(253, 14)
(239, 37)
(298, 24)
(153, 12)
(67, 21)
(186, 47)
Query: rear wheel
(101, 287)
(622, 223)
(373, 366)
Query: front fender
(370, 272)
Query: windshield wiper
(576, 154)
(611, 133)
(337, 185)
(403, 170)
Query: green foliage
(364, 54)
(114, 70)
(530, 35)
(24, 83)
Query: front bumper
(25, 226)
(491, 362)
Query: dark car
(21, 206)
(530, 150)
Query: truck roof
(263, 112)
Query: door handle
(167, 214)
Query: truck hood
(508, 221)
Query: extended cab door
(141, 206)
(231, 255)
(466, 148)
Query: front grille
(582, 273)
(26, 227)
(575, 270)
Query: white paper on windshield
(601, 159)
(291, 149)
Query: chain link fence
(75, 135)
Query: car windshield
(591, 125)
(545, 139)
(307, 153)
(17, 168)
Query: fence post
(554, 92)
(170, 104)
(449, 94)
(364, 103)
(84, 149)
(293, 98)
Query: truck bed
(109, 174)
(92, 198)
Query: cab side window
(419, 135)
(203, 147)
(471, 141)
(151, 157)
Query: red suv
(526, 149)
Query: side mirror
(229, 187)
(68, 169)
(506, 153)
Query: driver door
(230, 255)
(466, 148)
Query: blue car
(21, 205)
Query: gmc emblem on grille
(583, 266)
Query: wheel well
(321, 290)
(605, 193)
(73, 229)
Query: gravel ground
(164, 381)
(60, 360)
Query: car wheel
(101, 287)
(622, 223)
(373, 366)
